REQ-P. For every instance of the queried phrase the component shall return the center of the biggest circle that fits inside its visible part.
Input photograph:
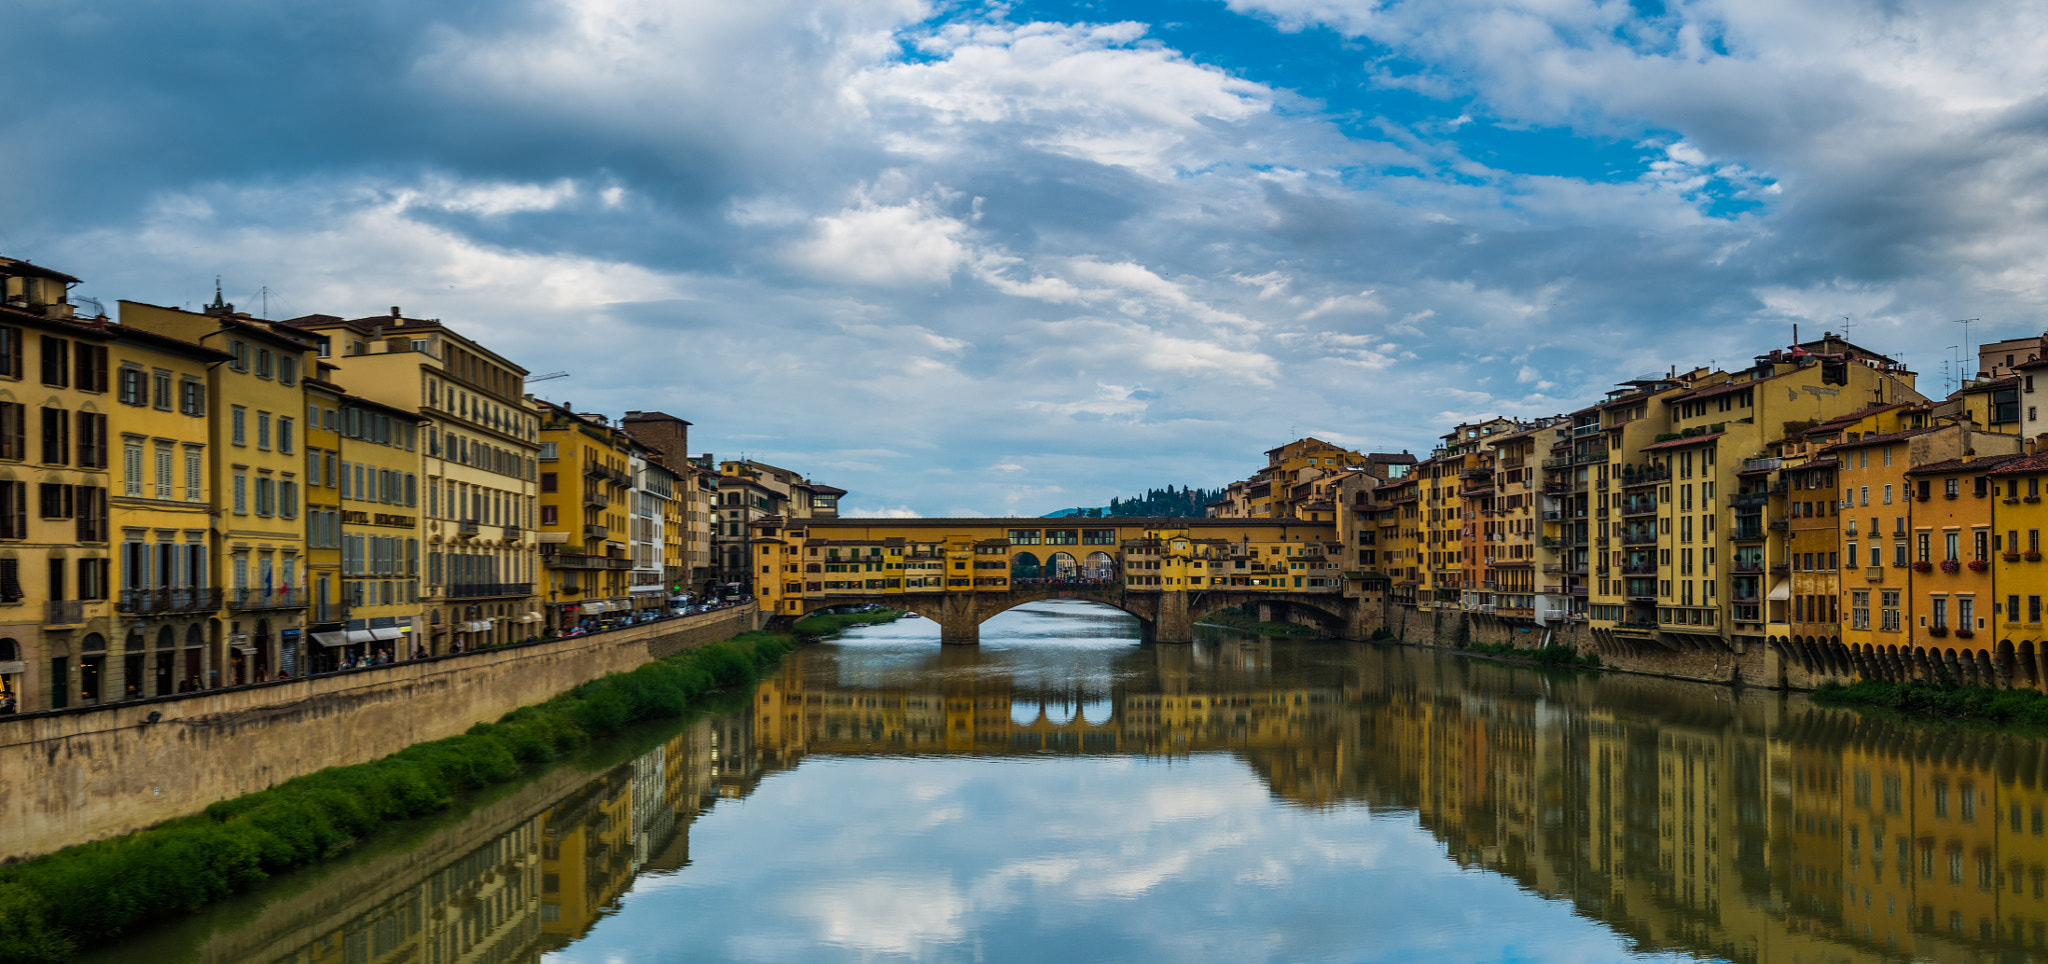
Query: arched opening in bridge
(1099, 567)
(1024, 565)
(1063, 566)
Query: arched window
(1099, 566)
(165, 639)
(1063, 566)
(94, 643)
(1024, 565)
(193, 637)
(10, 651)
(133, 643)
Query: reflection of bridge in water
(1686, 818)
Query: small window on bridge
(1098, 537)
(1024, 537)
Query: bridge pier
(960, 620)
(1176, 622)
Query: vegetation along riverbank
(1246, 618)
(825, 624)
(1545, 656)
(1915, 700)
(95, 892)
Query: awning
(246, 650)
(481, 626)
(331, 639)
(17, 666)
(361, 636)
(1781, 592)
(385, 634)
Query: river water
(1064, 793)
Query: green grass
(1246, 618)
(825, 624)
(1973, 705)
(95, 892)
(1548, 656)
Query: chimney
(395, 313)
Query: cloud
(884, 245)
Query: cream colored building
(477, 466)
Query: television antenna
(547, 377)
(1965, 322)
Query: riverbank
(1559, 656)
(1233, 619)
(1915, 701)
(826, 624)
(93, 893)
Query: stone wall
(82, 774)
(1758, 665)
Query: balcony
(596, 499)
(512, 533)
(1749, 499)
(1780, 523)
(1592, 458)
(1749, 566)
(1639, 569)
(274, 599)
(1553, 515)
(572, 560)
(467, 527)
(1650, 477)
(484, 590)
(1639, 507)
(1639, 539)
(144, 602)
(597, 532)
(1749, 533)
(65, 612)
(1761, 465)
(1639, 597)
(1874, 574)
(327, 612)
(1563, 463)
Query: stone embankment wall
(1756, 666)
(82, 774)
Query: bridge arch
(1025, 565)
(1063, 565)
(959, 615)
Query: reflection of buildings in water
(546, 881)
(1682, 818)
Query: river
(1062, 792)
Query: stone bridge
(1163, 617)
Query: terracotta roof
(2024, 465)
(1970, 464)
(1842, 420)
(1679, 443)
(1881, 439)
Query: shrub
(94, 892)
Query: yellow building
(378, 483)
(585, 498)
(257, 458)
(326, 614)
(54, 558)
(2020, 576)
(477, 467)
(161, 509)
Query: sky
(1005, 258)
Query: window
(1859, 609)
(56, 361)
(240, 351)
(1888, 601)
(192, 475)
(134, 386)
(162, 380)
(56, 436)
(239, 419)
(262, 363)
(164, 471)
(10, 352)
(1966, 612)
(263, 431)
(241, 494)
(131, 467)
(547, 482)
(284, 435)
(191, 397)
(287, 369)
(288, 499)
(92, 440)
(266, 496)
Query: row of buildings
(1814, 500)
(209, 498)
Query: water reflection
(1395, 791)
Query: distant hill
(1166, 503)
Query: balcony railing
(484, 589)
(1648, 477)
(148, 601)
(572, 560)
(597, 532)
(65, 612)
(1639, 539)
(467, 527)
(596, 499)
(323, 611)
(512, 533)
(1592, 458)
(274, 599)
(1761, 465)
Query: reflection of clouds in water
(1057, 646)
(1022, 861)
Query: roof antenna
(1965, 322)
(218, 301)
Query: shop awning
(331, 639)
(246, 650)
(385, 634)
(1781, 592)
(16, 666)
